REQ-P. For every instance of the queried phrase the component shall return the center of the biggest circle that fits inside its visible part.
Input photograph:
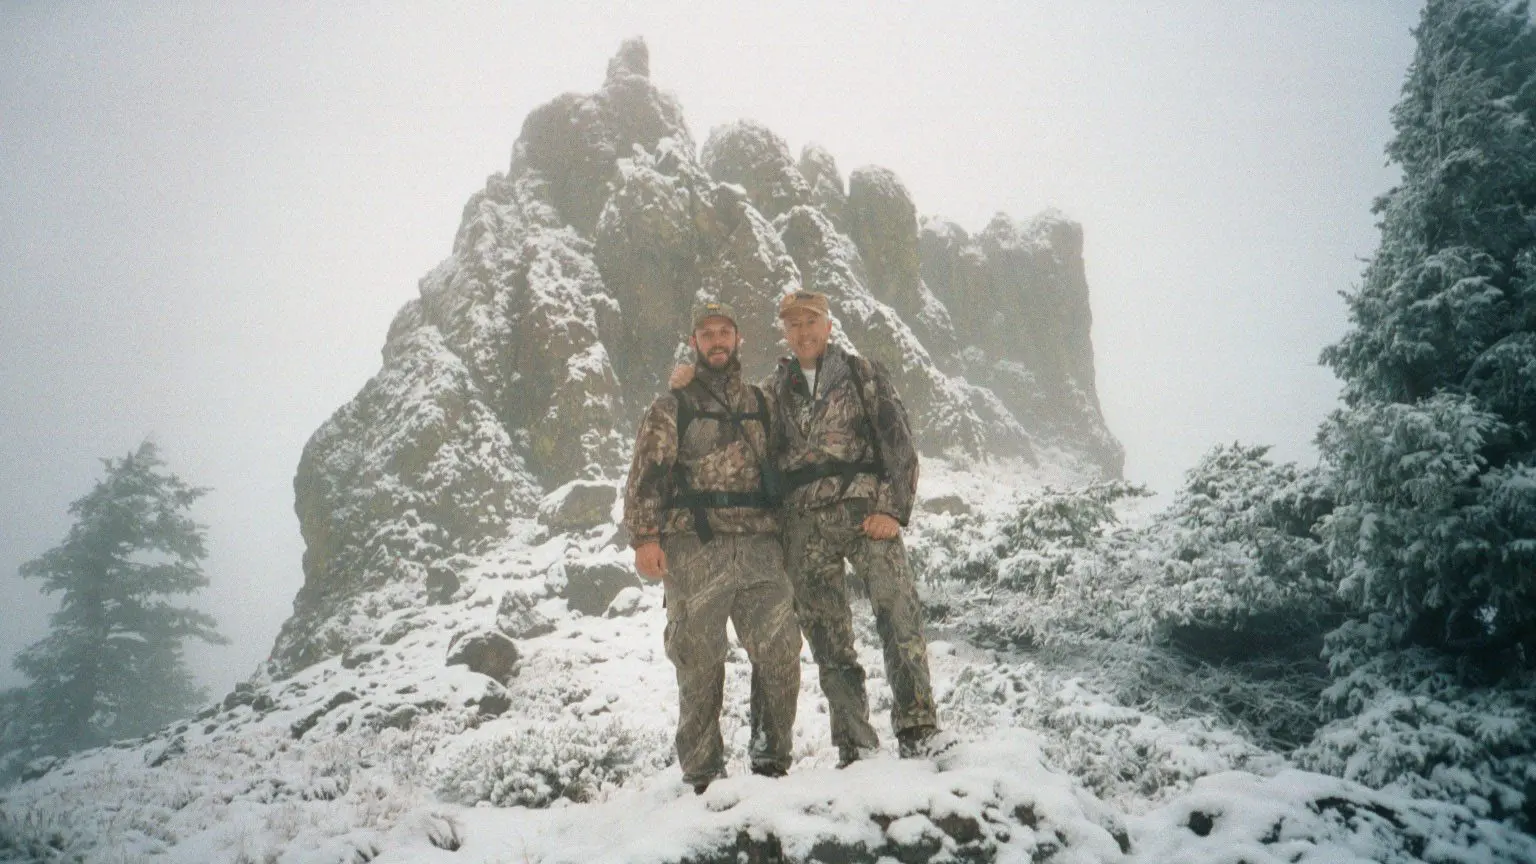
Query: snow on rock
(819, 168)
(1018, 292)
(579, 505)
(985, 801)
(750, 155)
(1301, 817)
(412, 472)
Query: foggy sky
(210, 215)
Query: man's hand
(681, 377)
(651, 561)
(879, 526)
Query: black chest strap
(808, 474)
(701, 501)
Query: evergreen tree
(112, 664)
(1434, 451)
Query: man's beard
(703, 360)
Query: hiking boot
(702, 784)
(848, 754)
(924, 742)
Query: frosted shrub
(1216, 607)
(1043, 536)
(1122, 753)
(536, 767)
(1231, 570)
(1407, 719)
(38, 835)
(990, 577)
(1235, 567)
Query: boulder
(578, 506)
(360, 655)
(491, 654)
(402, 718)
(441, 583)
(954, 505)
(518, 617)
(243, 694)
(625, 603)
(493, 701)
(590, 588)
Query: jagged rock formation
(522, 364)
(1019, 293)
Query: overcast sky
(210, 214)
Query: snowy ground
(388, 755)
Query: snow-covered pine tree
(1434, 451)
(1235, 570)
(112, 664)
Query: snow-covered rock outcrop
(531, 348)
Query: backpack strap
(685, 415)
(878, 465)
(685, 497)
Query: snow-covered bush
(1405, 718)
(1233, 568)
(1216, 606)
(990, 578)
(1230, 570)
(37, 836)
(1122, 753)
(534, 767)
(1041, 539)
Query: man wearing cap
(850, 470)
(702, 521)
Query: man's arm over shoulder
(650, 470)
(897, 491)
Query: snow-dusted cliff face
(530, 351)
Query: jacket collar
(832, 368)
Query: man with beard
(850, 469)
(701, 521)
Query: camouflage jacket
(713, 457)
(832, 427)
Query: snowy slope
(387, 754)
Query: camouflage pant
(817, 542)
(739, 577)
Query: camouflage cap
(712, 309)
(810, 301)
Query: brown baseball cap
(810, 301)
(712, 309)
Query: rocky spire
(524, 362)
(633, 58)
